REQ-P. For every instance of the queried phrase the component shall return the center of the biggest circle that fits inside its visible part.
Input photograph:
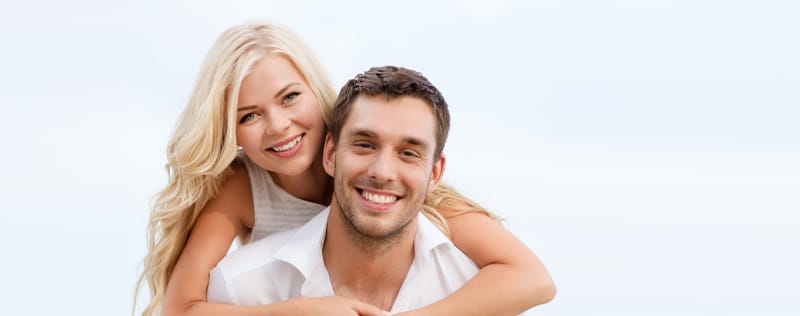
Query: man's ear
(436, 175)
(328, 156)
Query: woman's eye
(247, 117)
(290, 97)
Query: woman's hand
(333, 306)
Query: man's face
(383, 164)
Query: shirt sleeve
(218, 288)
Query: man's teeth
(289, 145)
(378, 198)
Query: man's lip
(378, 192)
(286, 141)
(373, 206)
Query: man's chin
(371, 229)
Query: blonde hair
(445, 202)
(203, 146)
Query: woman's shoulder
(235, 195)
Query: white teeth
(378, 198)
(289, 145)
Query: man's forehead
(378, 115)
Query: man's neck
(371, 273)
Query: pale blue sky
(646, 150)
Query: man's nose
(383, 168)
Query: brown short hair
(392, 82)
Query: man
(372, 244)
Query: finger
(365, 309)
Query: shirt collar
(304, 251)
(428, 238)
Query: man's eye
(247, 117)
(362, 145)
(409, 153)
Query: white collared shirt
(289, 264)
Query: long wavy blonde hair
(203, 146)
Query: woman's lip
(288, 140)
(290, 152)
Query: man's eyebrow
(416, 142)
(413, 141)
(363, 132)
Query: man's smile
(377, 200)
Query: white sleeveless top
(275, 209)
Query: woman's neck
(313, 185)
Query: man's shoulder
(270, 269)
(274, 248)
(439, 269)
(434, 244)
(243, 276)
(254, 255)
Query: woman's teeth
(378, 198)
(288, 145)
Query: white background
(648, 151)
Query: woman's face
(279, 123)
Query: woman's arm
(231, 213)
(511, 280)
